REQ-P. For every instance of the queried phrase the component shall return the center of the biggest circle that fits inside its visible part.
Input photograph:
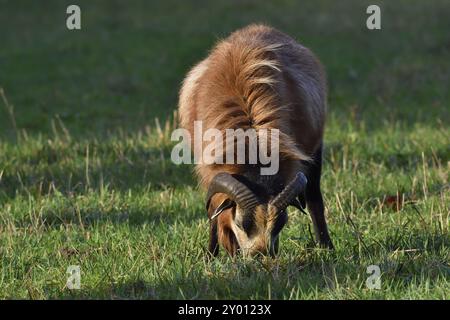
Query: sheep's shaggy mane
(245, 83)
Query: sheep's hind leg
(315, 204)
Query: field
(86, 177)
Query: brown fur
(257, 78)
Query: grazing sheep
(259, 78)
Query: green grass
(86, 177)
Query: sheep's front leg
(213, 246)
(314, 201)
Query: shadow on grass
(391, 160)
(118, 185)
(132, 218)
(67, 171)
(310, 274)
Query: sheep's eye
(246, 223)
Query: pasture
(86, 176)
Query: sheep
(259, 78)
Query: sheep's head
(247, 221)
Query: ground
(86, 177)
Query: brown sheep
(260, 78)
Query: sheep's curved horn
(237, 191)
(292, 190)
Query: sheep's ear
(226, 204)
(299, 203)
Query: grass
(86, 177)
